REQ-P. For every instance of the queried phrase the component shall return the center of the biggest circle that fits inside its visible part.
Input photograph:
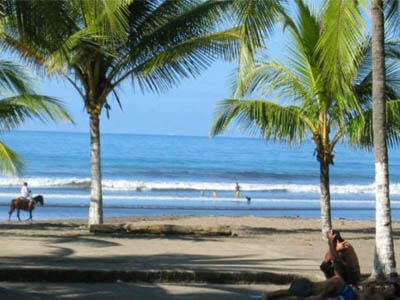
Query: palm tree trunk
(96, 196)
(384, 260)
(325, 199)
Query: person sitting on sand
(305, 289)
(339, 249)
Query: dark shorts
(301, 287)
(351, 276)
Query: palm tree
(328, 102)
(99, 44)
(19, 102)
(384, 260)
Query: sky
(184, 110)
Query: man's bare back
(339, 249)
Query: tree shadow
(49, 230)
(272, 230)
(90, 242)
(108, 291)
(63, 258)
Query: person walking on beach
(341, 250)
(237, 188)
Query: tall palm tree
(18, 103)
(330, 102)
(384, 260)
(98, 44)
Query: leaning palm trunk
(325, 199)
(96, 197)
(384, 260)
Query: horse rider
(26, 194)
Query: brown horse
(24, 204)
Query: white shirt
(25, 192)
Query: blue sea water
(177, 175)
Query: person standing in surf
(237, 188)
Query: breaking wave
(137, 185)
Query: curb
(96, 276)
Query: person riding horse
(24, 204)
(25, 192)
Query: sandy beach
(274, 246)
(289, 245)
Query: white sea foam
(132, 199)
(137, 185)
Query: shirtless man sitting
(339, 249)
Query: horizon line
(129, 133)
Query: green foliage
(324, 87)
(326, 81)
(18, 104)
(274, 121)
(10, 162)
(343, 32)
(97, 44)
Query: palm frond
(10, 162)
(273, 121)
(392, 15)
(14, 78)
(257, 18)
(180, 22)
(184, 60)
(27, 53)
(25, 23)
(302, 70)
(112, 19)
(245, 65)
(71, 53)
(306, 29)
(16, 110)
(360, 130)
(340, 40)
(274, 78)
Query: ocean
(182, 175)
